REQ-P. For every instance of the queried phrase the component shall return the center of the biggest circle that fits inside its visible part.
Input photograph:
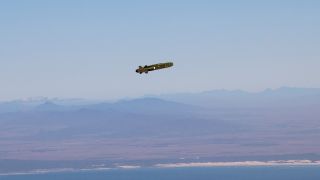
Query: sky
(91, 48)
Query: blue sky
(90, 49)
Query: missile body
(153, 67)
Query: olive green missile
(153, 67)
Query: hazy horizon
(243, 93)
(151, 95)
(277, 126)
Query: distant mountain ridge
(281, 97)
(285, 96)
(188, 127)
(143, 105)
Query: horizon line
(47, 98)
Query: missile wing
(147, 68)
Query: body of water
(212, 173)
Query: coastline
(283, 163)
(242, 163)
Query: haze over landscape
(220, 125)
(244, 88)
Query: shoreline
(278, 163)
(242, 164)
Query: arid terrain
(167, 128)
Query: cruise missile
(153, 67)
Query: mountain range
(219, 124)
